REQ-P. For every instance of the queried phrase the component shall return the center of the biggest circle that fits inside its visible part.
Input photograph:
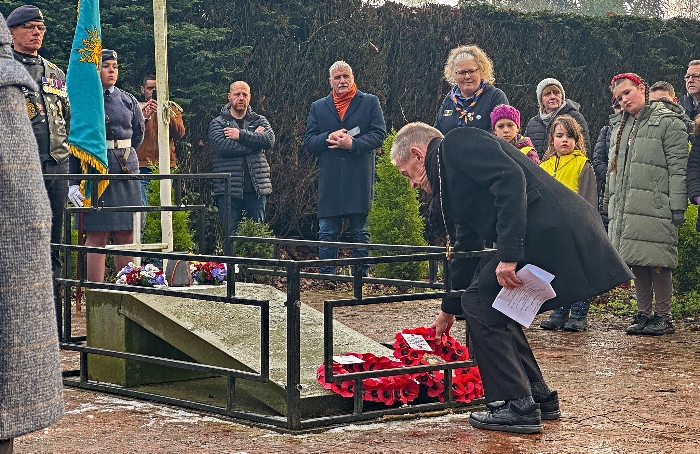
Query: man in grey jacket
(239, 138)
(48, 109)
(31, 390)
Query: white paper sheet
(417, 342)
(347, 359)
(522, 303)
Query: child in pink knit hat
(505, 122)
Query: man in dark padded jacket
(239, 138)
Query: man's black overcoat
(495, 192)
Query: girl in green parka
(646, 197)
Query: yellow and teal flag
(87, 125)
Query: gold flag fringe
(88, 161)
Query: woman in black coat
(491, 190)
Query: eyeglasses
(691, 76)
(30, 27)
(464, 72)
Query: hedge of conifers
(284, 49)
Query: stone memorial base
(218, 334)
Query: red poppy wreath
(412, 347)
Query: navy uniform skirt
(118, 193)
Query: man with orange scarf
(344, 130)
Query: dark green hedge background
(283, 50)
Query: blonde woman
(473, 95)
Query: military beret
(24, 14)
(109, 54)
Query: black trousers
(57, 191)
(505, 360)
(6, 446)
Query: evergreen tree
(394, 218)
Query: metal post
(230, 393)
(226, 225)
(80, 270)
(200, 230)
(357, 281)
(83, 367)
(160, 34)
(293, 347)
(357, 397)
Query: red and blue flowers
(208, 272)
(144, 276)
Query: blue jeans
(329, 229)
(252, 205)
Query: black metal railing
(293, 271)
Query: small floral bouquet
(208, 272)
(145, 276)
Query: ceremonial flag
(87, 136)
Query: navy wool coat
(493, 191)
(345, 177)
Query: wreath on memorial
(404, 388)
(388, 390)
(148, 275)
(208, 272)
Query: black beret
(24, 14)
(109, 54)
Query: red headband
(629, 76)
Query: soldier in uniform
(48, 111)
(124, 128)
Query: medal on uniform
(31, 110)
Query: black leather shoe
(576, 324)
(549, 406)
(553, 323)
(508, 418)
(658, 326)
(638, 324)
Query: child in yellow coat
(565, 159)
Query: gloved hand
(75, 196)
(677, 217)
(697, 200)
